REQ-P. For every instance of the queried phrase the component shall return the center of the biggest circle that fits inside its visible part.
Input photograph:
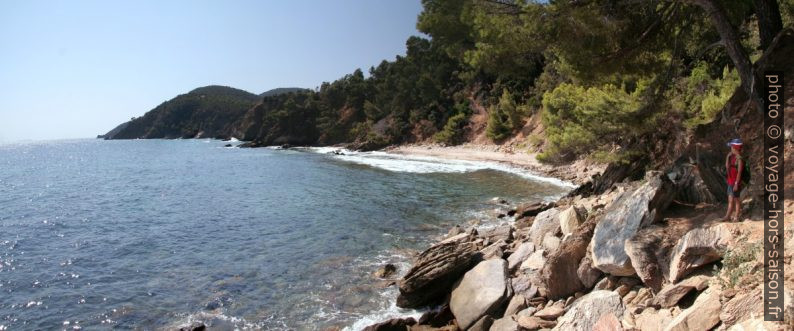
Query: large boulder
(545, 222)
(559, 276)
(647, 255)
(522, 252)
(697, 248)
(436, 270)
(588, 310)
(482, 291)
(629, 212)
(704, 314)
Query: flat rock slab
(630, 211)
(482, 290)
(589, 309)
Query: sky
(75, 69)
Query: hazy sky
(72, 69)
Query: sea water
(154, 234)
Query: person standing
(734, 166)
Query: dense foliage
(599, 74)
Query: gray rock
(585, 312)
(630, 211)
(697, 248)
(522, 252)
(482, 291)
(545, 222)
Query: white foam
(382, 315)
(430, 164)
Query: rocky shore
(630, 258)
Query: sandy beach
(577, 172)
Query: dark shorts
(732, 193)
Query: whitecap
(430, 164)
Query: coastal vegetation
(594, 71)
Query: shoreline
(576, 172)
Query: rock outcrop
(436, 270)
(622, 219)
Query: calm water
(151, 234)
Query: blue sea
(155, 234)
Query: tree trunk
(769, 21)
(733, 45)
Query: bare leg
(730, 209)
(738, 205)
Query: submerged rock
(622, 219)
(482, 291)
(395, 324)
(386, 271)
